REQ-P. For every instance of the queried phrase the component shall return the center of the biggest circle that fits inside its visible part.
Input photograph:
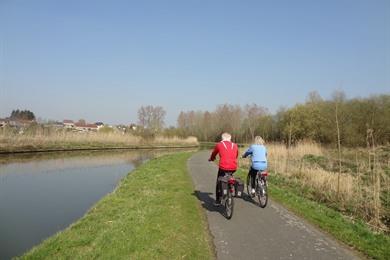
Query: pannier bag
(223, 182)
(239, 187)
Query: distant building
(20, 123)
(68, 124)
(3, 122)
(55, 124)
(16, 123)
(85, 127)
(99, 125)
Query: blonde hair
(259, 140)
(226, 137)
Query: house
(68, 123)
(3, 122)
(99, 125)
(54, 124)
(85, 127)
(92, 127)
(20, 123)
(16, 123)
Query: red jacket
(228, 153)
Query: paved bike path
(256, 233)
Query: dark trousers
(252, 172)
(218, 191)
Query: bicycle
(260, 187)
(228, 191)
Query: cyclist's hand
(210, 160)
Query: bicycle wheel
(262, 194)
(229, 205)
(248, 186)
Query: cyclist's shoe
(217, 203)
(253, 191)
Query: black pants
(221, 173)
(252, 172)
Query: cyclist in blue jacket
(258, 153)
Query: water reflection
(41, 194)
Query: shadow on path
(248, 198)
(207, 201)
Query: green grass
(354, 233)
(151, 215)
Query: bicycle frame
(227, 198)
(262, 175)
(260, 187)
(231, 182)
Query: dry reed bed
(355, 193)
(72, 138)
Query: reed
(315, 171)
(68, 140)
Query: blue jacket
(258, 155)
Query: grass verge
(354, 233)
(150, 215)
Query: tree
(254, 115)
(151, 118)
(315, 120)
(338, 98)
(228, 118)
(207, 126)
(22, 115)
(313, 97)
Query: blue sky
(102, 60)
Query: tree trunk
(339, 151)
(288, 147)
(376, 182)
(252, 132)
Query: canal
(41, 194)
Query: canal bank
(73, 141)
(152, 213)
(6, 151)
(43, 193)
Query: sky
(102, 60)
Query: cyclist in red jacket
(228, 153)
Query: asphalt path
(257, 233)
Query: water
(42, 194)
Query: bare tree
(207, 125)
(151, 117)
(229, 118)
(313, 97)
(338, 97)
(253, 114)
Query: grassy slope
(152, 214)
(353, 233)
